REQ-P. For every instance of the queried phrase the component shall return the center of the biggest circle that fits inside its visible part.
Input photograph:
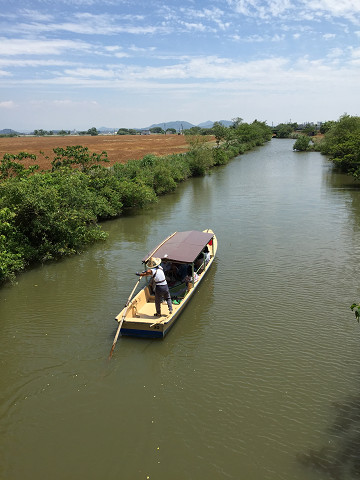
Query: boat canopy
(181, 247)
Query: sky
(78, 64)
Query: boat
(186, 258)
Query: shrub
(77, 156)
(11, 167)
(220, 156)
(302, 143)
(56, 213)
(12, 246)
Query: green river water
(259, 379)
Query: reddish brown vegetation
(120, 148)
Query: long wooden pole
(122, 319)
(160, 245)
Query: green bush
(220, 156)
(342, 144)
(13, 246)
(11, 166)
(302, 143)
(55, 212)
(178, 167)
(77, 156)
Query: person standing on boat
(156, 271)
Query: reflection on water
(340, 458)
(245, 383)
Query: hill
(210, 123)
(8, 131)
(179, 125)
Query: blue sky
(76, 64)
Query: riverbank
(48, 215)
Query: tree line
(46, 215)
(340, 142)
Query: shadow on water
(340, 459)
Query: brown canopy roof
(181, 247)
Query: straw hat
(153, 262)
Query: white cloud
(137, 49)
(206, 72)
(84, 24)
(355, 52)
(7, 104)
(336, 53)
(263, 9)
(34, 62)
(336, 8)
(90, 72)
(278, 38)
(103, 50)
(194, 26)
(329, 36)
(36, 16)
(9, 47)
(304, 9)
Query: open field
(120, 148)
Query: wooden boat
(178, 252)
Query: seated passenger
(171, 273)
(182, 271)
(189, 279)
(207, 255)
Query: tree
(326, 126)
(236, 122)
(302, 144)
(193, 131)
(220, 132)
(342, 144)
(11, 166)
(284, 130)
(123, 131)
(309, 129)
(92, 131)
(77, 156)
(40, 133)
(156, 130)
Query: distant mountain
(209, 123)
(8, 131)
(226, 123)
(179, 125)
(107, 129)
(182, 125)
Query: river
(259, 379)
